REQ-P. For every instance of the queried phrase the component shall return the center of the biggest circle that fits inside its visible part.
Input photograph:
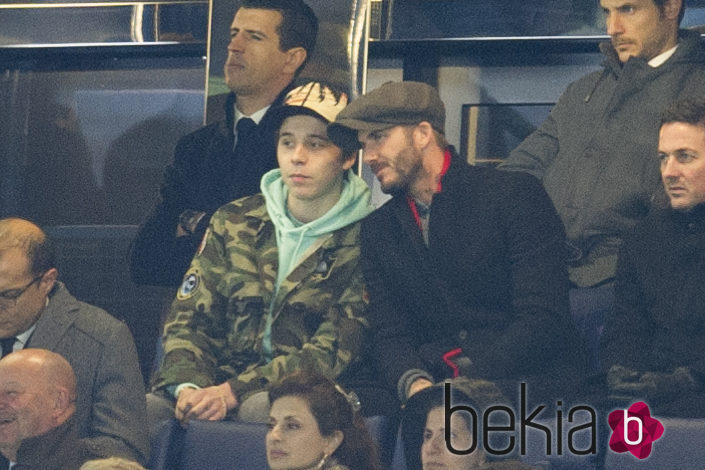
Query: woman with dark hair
(315, 425)
(424, 429)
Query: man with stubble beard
(270, 41)
(593, 153)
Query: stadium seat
(232, 445)
(209, 445)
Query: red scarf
(410, 200)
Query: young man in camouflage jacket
(275, 286)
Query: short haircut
(440, 139)
(688, 110)
(661, 4)
(349, 145)
(299, 26)
(41, 255)
(35, 244)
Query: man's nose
(614, 24)
(670, 169)
(368, 153)
(299, 154)
(236, 43)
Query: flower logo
(634, 430)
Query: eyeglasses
(9, 297)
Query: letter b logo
(634, 430)
(639, 426)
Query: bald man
(36, 310)
(37, 405)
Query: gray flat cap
(392, 104)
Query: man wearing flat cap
(464, 265)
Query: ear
(350, 161)
(333, 442)
(62, 398)
(62, 402)
(294, 58)
(423, 135)
(671, 9)
(48, 280)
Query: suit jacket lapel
(417, 253)
(428, 279)
(53, 322)
(411, 231)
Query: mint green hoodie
(296, 240)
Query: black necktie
(7, 345)
(243, 131)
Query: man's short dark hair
(299, 26)
(689, 111)
(662, 3)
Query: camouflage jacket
(214, 330)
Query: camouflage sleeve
(195, 331)
(334, 345)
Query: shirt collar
(23, 338)
(662, 57)
(256, 116)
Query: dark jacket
(59, 449)
(658, 323)
(110, 409)
(596, 153)
(492, 281)
(205, 174)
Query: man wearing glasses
(36, 310)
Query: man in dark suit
(270, 41)
(36, 310)
(464, 265)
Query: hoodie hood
(294, 238)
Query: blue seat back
(224, 445)
(232, 445)
(209, 445)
